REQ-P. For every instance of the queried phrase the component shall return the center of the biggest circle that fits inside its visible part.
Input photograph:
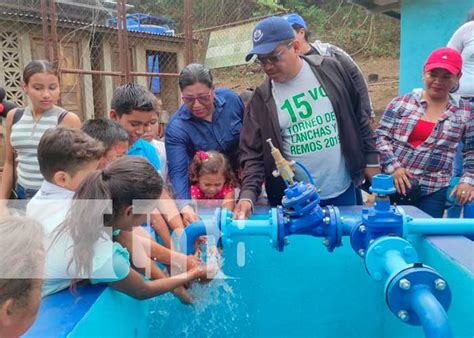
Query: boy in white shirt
(66, 156)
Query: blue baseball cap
(268, 34)
(294, 18)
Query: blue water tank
(153, 29)
(147, 23)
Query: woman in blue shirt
(209, 119)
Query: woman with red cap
(419, 132)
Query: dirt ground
(381, 91)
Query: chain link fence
(95, 53)
(85, 39)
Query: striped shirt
(432, 161)
(25, 136)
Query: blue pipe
(250, 227)
(432, 315)
(349, 221)
(439, 226)
(393, 262)
(306, 171)
(191, 233)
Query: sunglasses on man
(274, 58)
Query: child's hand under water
(193, 261)
(206, 272)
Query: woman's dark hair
(297, 28)
(211, 162)
(122, 181)
(39, 66)
(195, 73)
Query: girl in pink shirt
(212, 179)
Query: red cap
(446, 58)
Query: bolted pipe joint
(404, 284)
(403, 315)
(419, 296)
(440, 284)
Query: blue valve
(382, 184)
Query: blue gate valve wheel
(382, 184)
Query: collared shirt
(50, 205)
(187, 134)
(432, 161)
(143, 148)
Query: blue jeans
(359, 198)
(454, 211)
(23, 193)
(433, 204)
(348, 197)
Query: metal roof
(387, 7)
(9, 15)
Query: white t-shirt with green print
(310, 133)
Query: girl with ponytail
(84, 247)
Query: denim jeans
(348, 197)
(433, 204)
(454, 211)
(359, 198)
(23, 193)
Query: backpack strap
(18, 114)
(61, 116)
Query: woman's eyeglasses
(272, 59)
(203, 99)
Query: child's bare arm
(159, 225)
(170, 212)
(163, 254)
(142, 263)
(229, 201)
(135, 286)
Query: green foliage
(271, 5)
(335, 21)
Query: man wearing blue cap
(310, 109)
(326, 49)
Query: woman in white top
(25, 126)
(463, 41)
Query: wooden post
(44, 21)
(122, 52)
(188, 31)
